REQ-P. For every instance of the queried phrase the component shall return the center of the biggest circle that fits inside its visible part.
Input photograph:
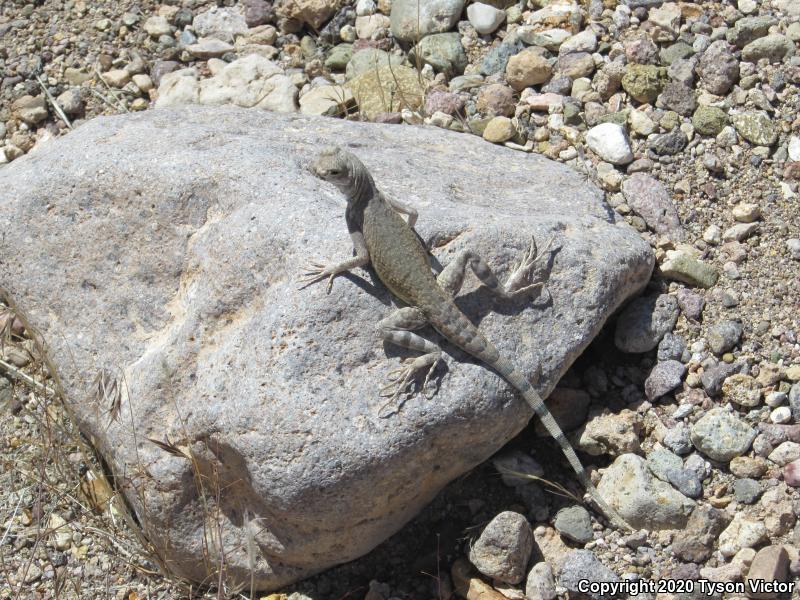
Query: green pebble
(644, 83)
(670, 120)
(709, 120)
(756, 127)
(339, 57)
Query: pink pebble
(791, 473)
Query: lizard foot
(401, 380)
(315, 272)
(517, 283)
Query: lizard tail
(516, 378)
(452, 323)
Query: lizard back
(398, 256)
(402, 264)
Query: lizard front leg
(316, 271)
(452, 277)
(397, 328)
(403, 208)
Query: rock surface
(503, 548)
(771, 564)
(644, 322)
(412, 20)
(641, 499)
(253, 81)
(171, 220)
(695, 542)
(650, 199)
(581, 566)
(721, 435)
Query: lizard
(383, 238)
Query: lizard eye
(334, 172)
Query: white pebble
(585, 41)
(555, 121)
(794, 148)
(782, 414)
(786, 452)
(365, 8)
(568, 154)
(775, 399)
(440, 119)
(793, 245)
(609, 142)
(746, 212)
(347, 33)
(485, 18)
(747, 6)
(712, 235)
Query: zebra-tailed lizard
(383, 238)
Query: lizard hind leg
(398, 328)
(452, 277)
(518, 282)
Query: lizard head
(333, 165)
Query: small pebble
(665, 377)
(775, 399)
(785, 453)
(697, 464)
(678, 439)
(746, 212)
(782, 414)
(769, 564)
(643, 323)
(742, 390)
(503, 548)
(540, 583)
(574, 523)
(609, 142)
(791, 473)
(748, 467)
(499, 130)
(721, 435)
(724, 336)
(485, 18)
(583, 565)
(746, 491)
(686, 482)
(793, 245)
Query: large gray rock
(165, 248)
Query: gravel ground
(685, 114)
